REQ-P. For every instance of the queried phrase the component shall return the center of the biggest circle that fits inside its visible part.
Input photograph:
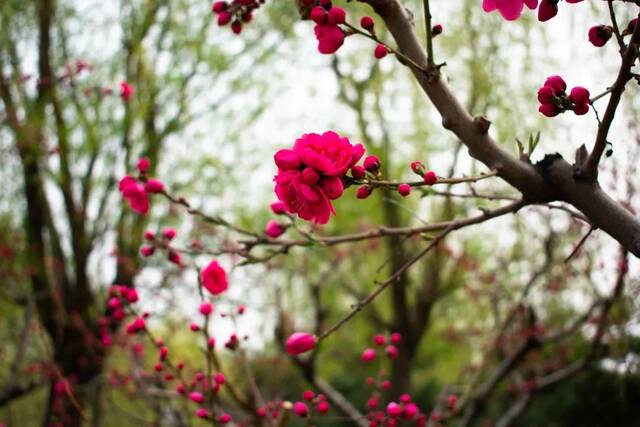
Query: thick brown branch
(554, 180)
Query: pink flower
(126, 91)
(273, 229)
(308, 395)
(308, 201)
(329, 154)
(224, 418)
(135, 194)
(214, 278)
(509, 9)
(310, 174)
(330, 38)
(300, 342)
(202, 413)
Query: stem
(427, 22)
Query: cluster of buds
(370, 168)
(236, 11)
(318, 403)
(381, 341)
(136, 190)
(328, 20)
(599, 35)
(162, 242)
(554, 99)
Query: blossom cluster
(311, 174)
(235, 11)
(402, 411)
(554, 100)
(136, 190)
(512, 9)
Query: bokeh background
(210, 108)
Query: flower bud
(368, 355)
(393, 409)
(364, 192)
(318, 15)
(358, 172)
(372, 163)
(323, 407)
(404, 189)
(367, 23)
(273, 229)
(219, 6)
(379, 52)
(169, 233)
(206, 308)
(579, 95)
(599, 35)
(196, 397)
(300, 409)
(300, 342)
(549, 110)
(430, 178)
(418, 167)
(556, 83)
(336, 16)
(143, 164)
